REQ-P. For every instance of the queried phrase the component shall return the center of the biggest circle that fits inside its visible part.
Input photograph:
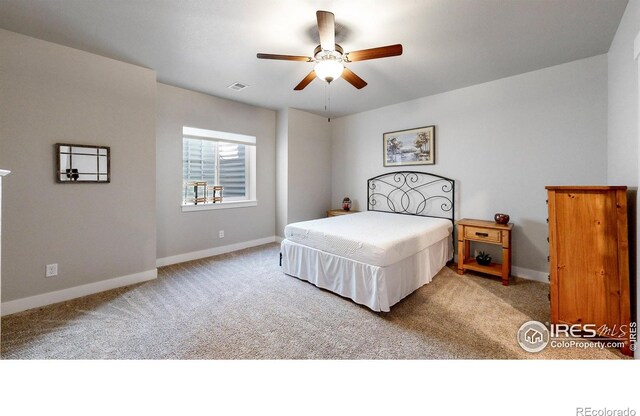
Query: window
(217, 163)
(219, 159)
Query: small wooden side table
(336, 212)
(487, 232)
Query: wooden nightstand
(487, 232)
(336, 212)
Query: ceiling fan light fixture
(328, 69)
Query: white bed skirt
(376, 287)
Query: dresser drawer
(482, 234)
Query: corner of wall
(282, 170)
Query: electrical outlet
(221, 234)
(52, 270)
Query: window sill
(220, 205)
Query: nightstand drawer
(482, 234)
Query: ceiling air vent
(237, 86)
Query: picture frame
(415, 146)
(81, 163)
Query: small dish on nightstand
(501, 218)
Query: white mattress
(371, 237)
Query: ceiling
(206, 45)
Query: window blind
(217, 163)
(233, 169)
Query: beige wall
(49, 94)
(186, 232)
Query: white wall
(502, 142)
(303, 167)
(95, 232)
(309, 166)
(622, 135)
(282, 170)
(186, 232)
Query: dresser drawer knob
(482, 234)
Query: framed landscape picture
(410, 147)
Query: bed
(378, 257)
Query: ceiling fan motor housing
(319, 54)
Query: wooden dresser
(589, 258)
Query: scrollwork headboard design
(412, 193)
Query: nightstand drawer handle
(482, 234)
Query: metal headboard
(412, 193)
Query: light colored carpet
(241, 306)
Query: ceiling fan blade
(310, 77)
(284, 57)
(374, 53)
(353, 79)
(326, 30)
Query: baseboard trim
(195, 255)
(19, 305)
(530, 274)
(279, 239)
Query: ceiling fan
(329, 56)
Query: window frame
(249, 199)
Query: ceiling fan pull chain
(329, 100)
(325, 97)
